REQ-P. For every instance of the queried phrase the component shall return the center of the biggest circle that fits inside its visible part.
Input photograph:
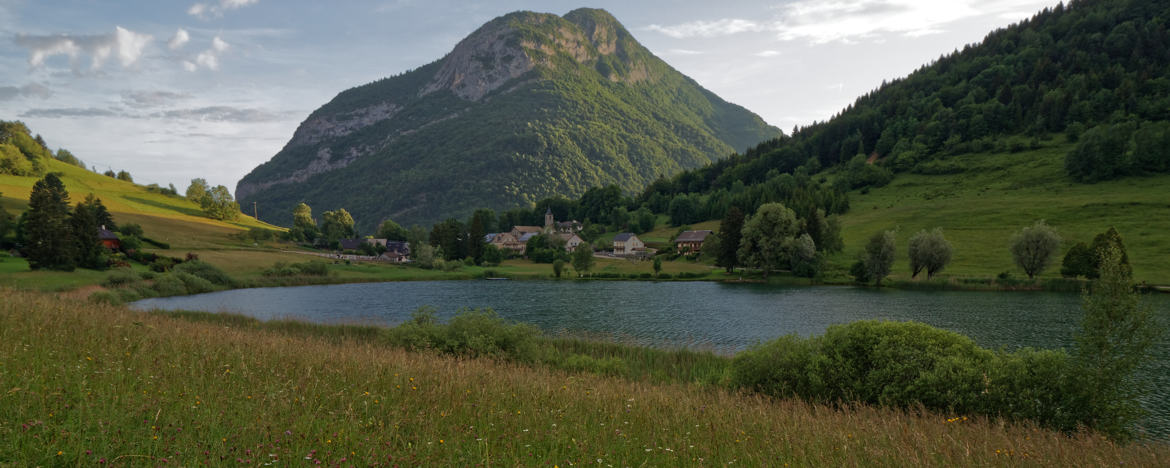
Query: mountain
(528, 106)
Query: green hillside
(529, 106)
(998, 194)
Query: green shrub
(162, 264)
(909, 365)
(194, 284)
(664, 276)
(119, 278)
(206, 271)
(169, 285)
(472, 332)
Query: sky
(176, 89)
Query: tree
(712, 245)
(390, 230)
(1033, 247)
(879, 256)
(197, 191)
(423, 255)
(65, 156)
(337, 225)
(929, 251)
(475, 238)
(123, 175)
(558, 267)
(451, 237)
(657, 265)
(583, 258)
(766, 241)
(1104, 241)
(643, 221)
(492, 255)
(1078, 261)
(87, 245)
(1117, 336)
(110, 173)
(730, 233)
(803, 258)
(7, 223)
(304, 227)
(101, 214)
(220, 205)
(543, 248)
(46, 228)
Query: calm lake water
(722, 317)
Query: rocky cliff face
(529, 105)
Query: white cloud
(180, 39)
(721, 27)
(127, 45)
(767, 53)
(207, 10)
(209, 58)
(683, 52)
(218, 44)
(824, 21)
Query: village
(515, 242)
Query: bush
(119, 278)
(194, 284)
(907, 365)
(664, 276)
(105, 297)
(478, 332)
(169, 285)
(162, 264)
(311, 268)
(205, 271)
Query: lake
(721, 317)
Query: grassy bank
(86, 384)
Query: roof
(106, 234)
(623, 237)
(528, 228)
(692, 236)
(351, 244)
(567, 236)
(490, 237)
(528, 235)
(398, 246)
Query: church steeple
(548, 218)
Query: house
(520, 231)
(396, 252)
(505, 241)
(571, 240)
(108, 239)
(351, 244)
(690, 241)
(627, 243)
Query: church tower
(548, 219)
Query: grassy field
(1000, 193)
(88, 384)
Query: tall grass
(89, 384)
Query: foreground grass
(85, 384)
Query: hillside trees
(304, 227)
(46, 227)
(1085, 259)
(929, 251)
(67, 157)
(7, 224)
(769, 238)
(1109, 151)
(125, 176)
(878, 258)
(337, 225)
(219, 204)
(450, 237)
(1032, 248)
(388, 230)
(730, 234)
(198, 191)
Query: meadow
(997, 194)
(95, 384)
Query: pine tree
(730, 233)
(46, 226)
(84, 224)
